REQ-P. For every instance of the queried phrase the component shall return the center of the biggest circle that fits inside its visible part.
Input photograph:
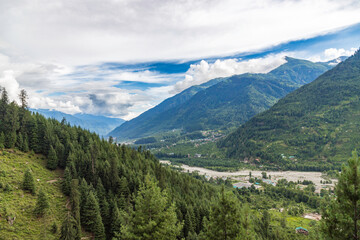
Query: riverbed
(243, 175)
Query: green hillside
(138, 127)
(313, 128)
(226, 104)
(14, 202)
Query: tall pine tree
(225, 219)
(154, 216)
(52, 160)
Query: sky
(119, 58)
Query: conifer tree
(25, 147)
(20, 142)
(189, 224)
(115, 229)
(92, 218)
(23, 99)
(42, 204)
(262, 226)
(154, 216)
(225, 219)
(68, 232)
(4, 102)
(66, 184)
(2, 140)
(341, 219)
(84, 193)
(52, 160)
(75, 207)
(28, 182)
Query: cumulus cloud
(203, 72)
(88, 89)
(332, 53)
(9, 82)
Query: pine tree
(262, 226)
(52, 160)
(4, 102)
(28, 182)
(25, 147)
(115, 229)
(75, 207)
(154, 216)
(92, 218)
(20, 142)
(23, 99)
(189, 224)
(84, 195)
(42, 204)
(225, 219)
(2, 140)
(340, 220)
(66, 184)
(68, 232)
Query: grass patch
(15, 203)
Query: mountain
(99, 124)
(222, 103)
(134, 127)
(313, 128)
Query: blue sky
(120, 58)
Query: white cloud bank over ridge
(332, 53)
(203, 72)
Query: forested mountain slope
(138, 126)
(314, 127)
(226, 104)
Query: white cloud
(80, 32)
(332, 53)
(9, 82)
(89, 89)
(203, 72)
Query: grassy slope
(13, 164)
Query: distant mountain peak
(99, 124)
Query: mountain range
(317, 125)
(98, 124)
(222, 103)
